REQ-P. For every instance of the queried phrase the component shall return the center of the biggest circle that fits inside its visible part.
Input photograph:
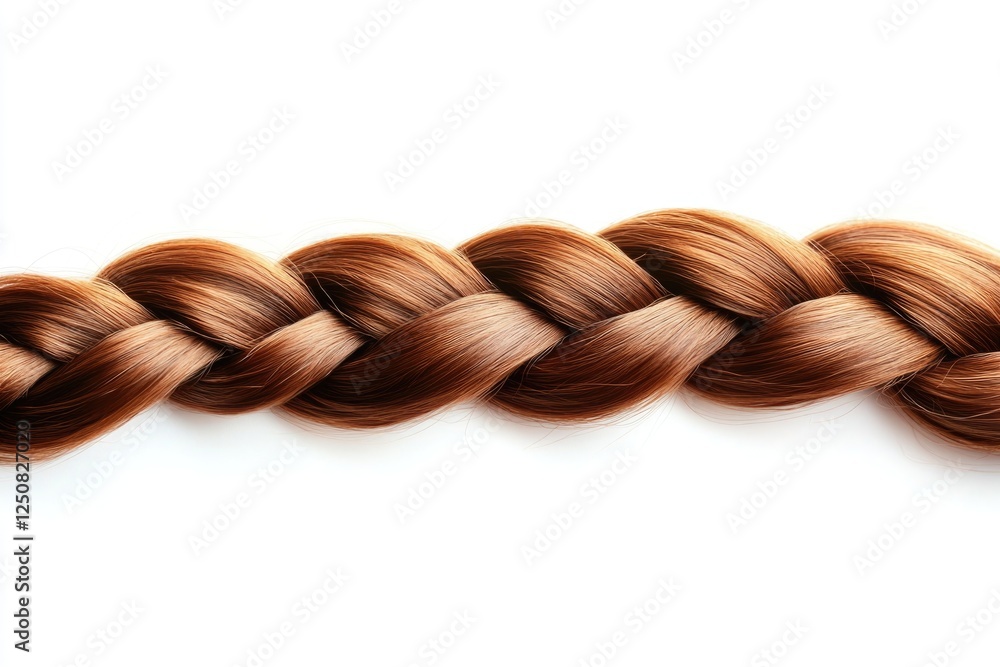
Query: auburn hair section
(539, 319)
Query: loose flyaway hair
(544, 321)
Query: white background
(115, 522)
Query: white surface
(682, 131)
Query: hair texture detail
(542, 320)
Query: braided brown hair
(545, 321)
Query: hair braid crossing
(541, 320)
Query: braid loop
(542, 320)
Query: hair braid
(545, 321)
